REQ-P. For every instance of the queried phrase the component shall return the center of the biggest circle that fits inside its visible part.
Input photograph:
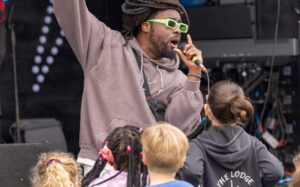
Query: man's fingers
(180, 53)
(187, 47)
(193, 52)
(189, 39)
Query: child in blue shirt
(164, 152)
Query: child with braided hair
(56, 169)
(122, 150)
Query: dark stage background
(50, 79)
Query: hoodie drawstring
(143, 78)
(161, 80)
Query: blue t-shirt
(174, 183)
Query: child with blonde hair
(225, 155)
(55, 169)
(164, 152)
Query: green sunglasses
(170, 23)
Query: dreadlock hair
(138, 11)
(118, 141)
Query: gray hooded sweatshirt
(113, 95)
(229, 157)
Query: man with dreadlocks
(116, 66)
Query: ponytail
(56, 169)
(228, 103)
(241, 109)
(56, 175)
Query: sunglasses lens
(172, 24)
(183, 28)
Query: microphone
(194, 58)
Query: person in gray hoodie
(113, 94)
(226, 155)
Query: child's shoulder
(182, 183)
(119, 180)
(174, 183)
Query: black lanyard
(145, 85)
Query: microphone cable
(272, 61)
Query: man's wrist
(194, 77)
(195, 71)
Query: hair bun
(243, 114)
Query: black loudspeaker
(220, 22)
(43, 130)
(16, 161)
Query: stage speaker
(16, 161)
(43, 130)
(220, 22)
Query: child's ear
(144, 159)
(182, 162)
(206, 110)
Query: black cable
(279, 117)
(252, 79)
(276, 113)
(284, 122)
(272, 62)
(11, 29)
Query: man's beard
(162, 47)
(167, 53)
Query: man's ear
(206, 110)
(146, 26)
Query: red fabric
(2, 16)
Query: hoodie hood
(228, 146)
(163, 63)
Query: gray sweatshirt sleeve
(185, 107)
(193, 168)
(84, 32)
(270, 167)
